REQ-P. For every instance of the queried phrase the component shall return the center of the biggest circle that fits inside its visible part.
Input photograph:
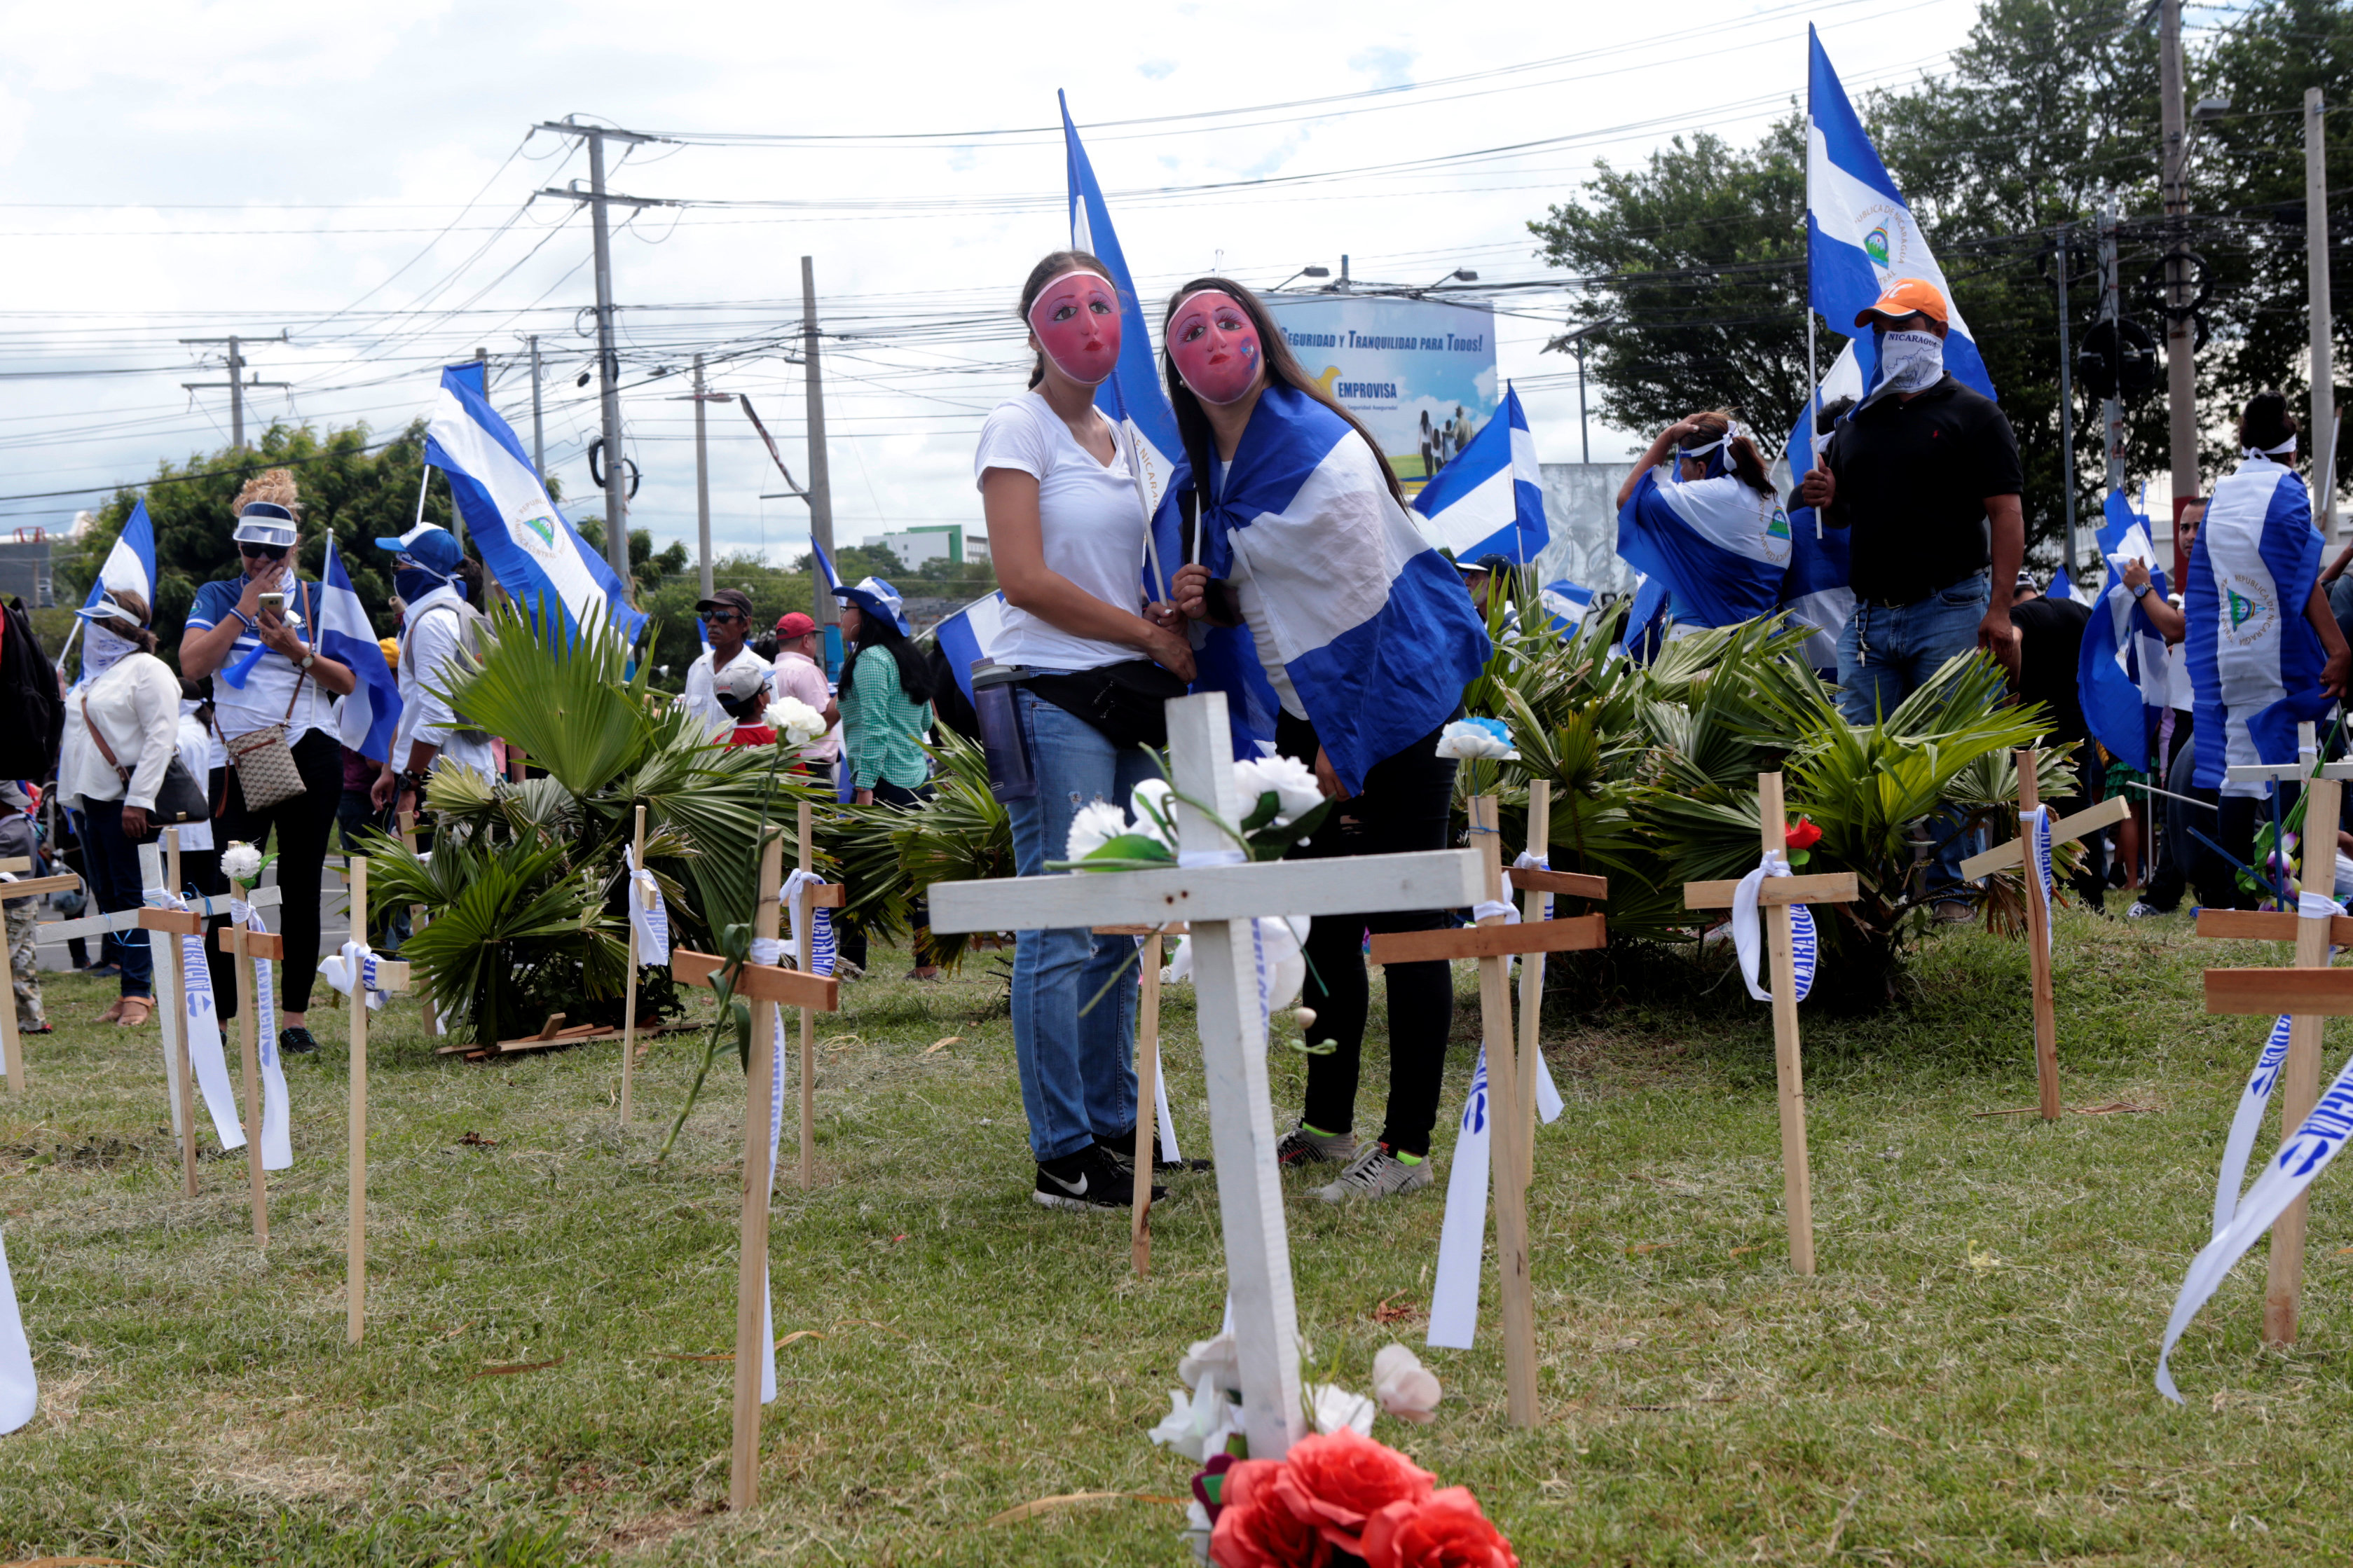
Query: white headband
(2284, 449)
(1073, 272)
(1196, 294)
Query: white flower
(1155, 812)
(1197, 1426)
(241, 862)
(1334, 1407)
(1097, 824)
(1291, 780)
(1407, 1389)
(1479, 738)
(795, 720)
(1214, 1360)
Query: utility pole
(609, 363)
(2181, 332)
(2066, 409)
(237, 382)
(2112, 412)
(538, 424)
(2323, 368)
(820, 487)
(702, 470)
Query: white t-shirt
(195, 746)
(1090, 522)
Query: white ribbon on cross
(1462, 1237)
(1748, 930)
(20, 1391)
(2034, 827)
(200, 1024)
(354, 964)
(647, 912)
(2248, 1119)
(771, 951)
(277, 1142)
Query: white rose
(1216, 1361)
(1096, 824)
(795, 720)
(1155, 812)
(1293, 781)
(1467, 739)
(241, 862)
(1407, 1389)
(1334, 1407)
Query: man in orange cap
(1924, 475)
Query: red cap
(1903, 297)
(794, 625)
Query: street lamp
(1460, 275)
(1576, 340)
(1306, 272)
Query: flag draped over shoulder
(1720, 548)
(2122, 675)
(1489, 498)
(538, 556)
(1366, 623)
(371, 712)
(1859, 229)
(2254, 661)
(1225, 658)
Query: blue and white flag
(2254, 661)
(968, 635)
(1567, 603)
(130, 564)
(1489, 498)
(370, 714)
(1815, 590)
(1350, 609)
(1858, 230)
(1720, 548)
(539, 557)
(2123, 677)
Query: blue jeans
(113, 866)
(1078, 1068)
(1886, 653)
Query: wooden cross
(172, 980)
(245, 948)
(1773, 900)
(2001, 856)
(1218, 901)
(769, 986)
(1511, 1071)
(12, 1046)
(390, 975)
(2308, 994)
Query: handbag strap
(303, 589)
(103, 749)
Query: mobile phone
(273, 602)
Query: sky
(361, 181)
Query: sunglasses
(253, 551)
(720, 617)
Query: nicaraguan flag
(1350, 609)
(1719, 547)
(1859, 229)
(1815, 588)
(1489, 498)
(1567, 603)
(2254, 661)
(372, 711)
(2122, 677)
(130, 564)
(539, 557)
(967, 637)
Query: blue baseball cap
(432, 547)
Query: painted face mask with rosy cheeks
(1215, 346)
(1076, 319)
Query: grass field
(1967, 1381)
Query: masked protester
(437, 624)
(270, 672)
(1707, 524)
(1061, 487)
(1924, 475)
(1368, 640)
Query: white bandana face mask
(1910, 361)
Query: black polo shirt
(1913, 478)
(2050, 644)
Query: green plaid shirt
(884, 730)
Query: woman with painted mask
(1059, 486)
(254, 634)
(1368, 640)
(1707, 524)
(2265, 652)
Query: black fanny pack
(1123, 702)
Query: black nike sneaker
(1090, 1179)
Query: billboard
(1421, 373)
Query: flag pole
(1813, 378)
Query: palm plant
(962, 833)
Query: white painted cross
(1218, 899)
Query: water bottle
(1004, 731)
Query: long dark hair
(1740, 457)
(877, 630)
(1052, 267)
(2265, 423)
(1282, 368)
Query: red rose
(1804, 835)
(1255, 1530)
(1338, 1482)
(1446, 1532)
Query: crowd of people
(1296, 539)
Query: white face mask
(102, 650)
(1910, 361)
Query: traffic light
(2118, 359)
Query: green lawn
(1967, 1381)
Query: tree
(855, 562)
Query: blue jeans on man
(1886, 653)
(1077, 1063)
